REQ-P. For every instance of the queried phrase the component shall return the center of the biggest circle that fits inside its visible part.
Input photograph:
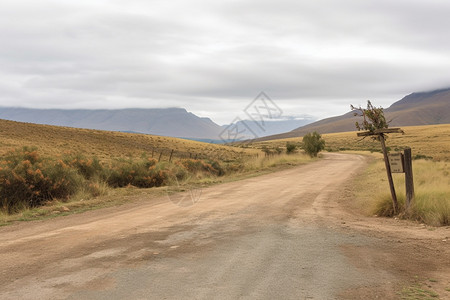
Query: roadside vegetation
(30, 181)
(432, 191)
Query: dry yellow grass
(54, 140)
(432, 190)
(431, 141)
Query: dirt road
(285, 235)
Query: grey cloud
(216, 56)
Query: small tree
(313, 144)
(290, 147)
(373, 118)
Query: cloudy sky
(214, 57)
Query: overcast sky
(214, 57)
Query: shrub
(290, 147)
(218, 169)
(88, 167)
(27, 180)
(313, 144)
(145, 173)
(197, 166)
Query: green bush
(313, 144)
(290, 147)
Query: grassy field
(430, 141)
(105, 145)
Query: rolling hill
(53, 141)
(425, 108)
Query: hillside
(426, 108)
(54, 140)
(174, 122)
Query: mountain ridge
(171, 122)
(420, 108)
(157, 121)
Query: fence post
(409, 181)
(159, 159)
(170, 158)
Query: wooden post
(409, 182)
(389, 174)
(170, 158)
(159, 159)
(153, 151)
(380, 133)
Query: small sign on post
(396, 161)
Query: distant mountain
(173, 122)
(425, 108)
(270, 127)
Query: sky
(214, 57)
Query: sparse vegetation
(417, 292)
(432, 141)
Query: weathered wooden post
(160, 155)
(389, 173)
(380, 134)
(409, 180)
(170, 158)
